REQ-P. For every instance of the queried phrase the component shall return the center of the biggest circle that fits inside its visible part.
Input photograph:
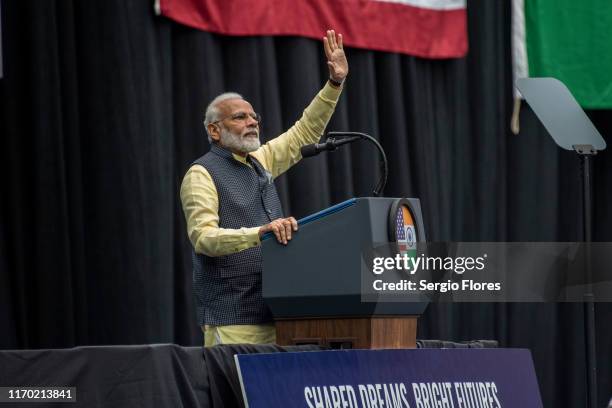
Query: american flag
(400, 232)
(404, 233)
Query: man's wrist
(335, 83)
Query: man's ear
(214, 131)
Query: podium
(313, 285)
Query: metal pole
(589, 305)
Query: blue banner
(426, 378)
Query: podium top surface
(327, 211)
(323, 213)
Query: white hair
(212, 110)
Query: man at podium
(230, 201)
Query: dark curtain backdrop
(100, 115)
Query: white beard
(233, 141)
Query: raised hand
(336, 59)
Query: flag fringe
(515, 125)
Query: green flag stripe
(572, 41)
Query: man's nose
(251, 121)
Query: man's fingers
(340, 42)
(287, 225)
(276, 230)
(326, 47)
(283, 229)
(279, 231)
(294, 223)
(331, 37)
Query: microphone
(329, 145)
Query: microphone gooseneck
(335, 139)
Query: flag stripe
(566, 40)
(377, 25)
(520, 68)
(431, 4)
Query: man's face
(238, 130)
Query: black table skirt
(159, 375)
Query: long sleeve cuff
(221, 241)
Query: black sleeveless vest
(228, 288)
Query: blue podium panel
(453, 378)
(318, 274)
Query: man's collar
(215, 148)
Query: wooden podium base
(379, 332)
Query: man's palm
(336, 59)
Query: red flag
(424, 28)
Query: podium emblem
(402, 229)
